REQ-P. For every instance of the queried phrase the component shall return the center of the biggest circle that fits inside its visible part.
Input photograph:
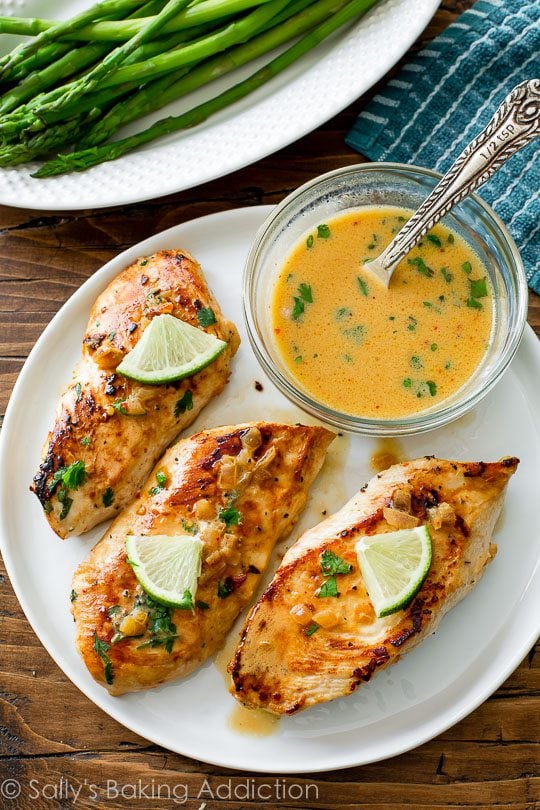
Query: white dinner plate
(477, 645)
(297, 101)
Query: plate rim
(472, 697)
(27, 196)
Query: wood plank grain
(159, 771)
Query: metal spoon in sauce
(515, 124)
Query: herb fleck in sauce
(372, 352)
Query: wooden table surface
(53, 740)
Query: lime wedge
(169, 350)
(168, 568)
(394, 566)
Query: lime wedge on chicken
(167, 567)
(394, 566)
(169, 350)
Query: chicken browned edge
(116, 427)
(283, 667)
(261, 470)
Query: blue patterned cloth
(442, 98)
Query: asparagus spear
(56, 50)
(43, 143)
(43, 57)
(72, 62)
(104, 9)
(110, 63)
(160, 92)
(237, 31)
(27, 115)
(198, 13)
(80, 161)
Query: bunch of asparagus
(80, 81)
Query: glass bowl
(385, 184)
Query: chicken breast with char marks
(110, 430)
(239, 489)
(299, 649)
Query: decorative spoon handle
(514, 125)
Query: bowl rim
(403, 426)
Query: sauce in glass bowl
(370, 351)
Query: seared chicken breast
(109, 430)
(239, 489)
(298, 649)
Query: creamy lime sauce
(368, 351)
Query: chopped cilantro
(78, 392)
(478, 287)
(411, 326)
(298, 308)
(434, 239)
(71, 477)
(407, 382)
(47, 507)
(162, 630)
(432, 387)
(434, 347)
(473, 303)
(190, 528)
(342, 313)
(305, 293)
(466, 267)
(355, 333)
(298, 358)
(185, 403)
(362, 286)
(112, 611)
(447, 275)
(309, 241)
(73, 596)
(416, 362)
(206, 316)
(328, 588)
(118, 405)
(161, 479)
(421, 266)
(225, 588)
(312, 628)
(305, 296)
(230, 516)
(331, 564)
(187, 601)
(427, 304)
(66, 502)
(101, 648)
(108, 497)
(450, 239)
(323, 231)
(85, 441)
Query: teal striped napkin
(446, 94)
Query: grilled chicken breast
(239, 489)
(298, 649)
(114, 429)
